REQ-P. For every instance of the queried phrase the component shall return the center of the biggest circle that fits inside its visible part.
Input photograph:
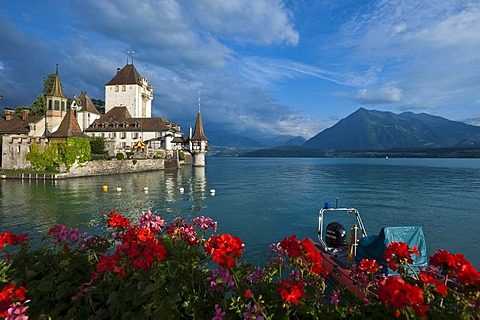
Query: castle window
(57, 105)
(124, 88)
(63, 105)
(49, 104)
(116, 88)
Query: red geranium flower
(399, 253)
(455, 266)
(291, 292)
(224, 249)
(115, 220)
(291, 246)
(369, 266)
(10, 238)
(399, 294)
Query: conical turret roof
(57, 90)
(198, 134)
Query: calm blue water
(262, 200)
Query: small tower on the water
(199, 142)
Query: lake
(263, 200)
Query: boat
(340, 254)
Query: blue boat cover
(373, 247)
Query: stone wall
(103, 167)
(15, 149)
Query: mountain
(226, 139)
(282, 140)
(378, 130)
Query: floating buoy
(145, 188)
(105, 188)
(3, 176)
(119, 189)
(212, 192)
(181, 189)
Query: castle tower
(128, 89)
(199, 142)
(56, 105)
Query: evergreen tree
(39, 106)
(48, 83)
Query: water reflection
(198, 187)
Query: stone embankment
(100, 167)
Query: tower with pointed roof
(199, 142)
(56, 105)
(129, 89)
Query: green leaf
(45, 285)
(61, 290)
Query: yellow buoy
(105, 188)
(3, 176)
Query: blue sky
(261, 67)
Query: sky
(260, 67)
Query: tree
(99, 105)
(48, 83)
(39, 106)
(18, 110)
(97, 145)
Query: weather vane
(129, 53)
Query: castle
(127, 125)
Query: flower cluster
(455, 266)
(402, 296)
(180, 229)
(62, 233)
(150, 221)
(115, 220)
(205, 223)
(225, 249)
(153, 268)
(309, 257)
(12, 239)
(291, 291)
(398, 254)
(139, 247)
(12, 304)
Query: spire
(57, 90)
(198, 134)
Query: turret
(199, 142)
(56, 104)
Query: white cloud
(262, 22)
(386, 94)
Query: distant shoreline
(299, 152)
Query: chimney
(25, 113)
(118, 70)
(9, 113)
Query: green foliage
(55, 154)
(181, 155)
(74, 149)
(18, 110)
(48, 83)
(99, 105)
(44, 160)
(97, 145)
(120, 156)
(39, 106)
